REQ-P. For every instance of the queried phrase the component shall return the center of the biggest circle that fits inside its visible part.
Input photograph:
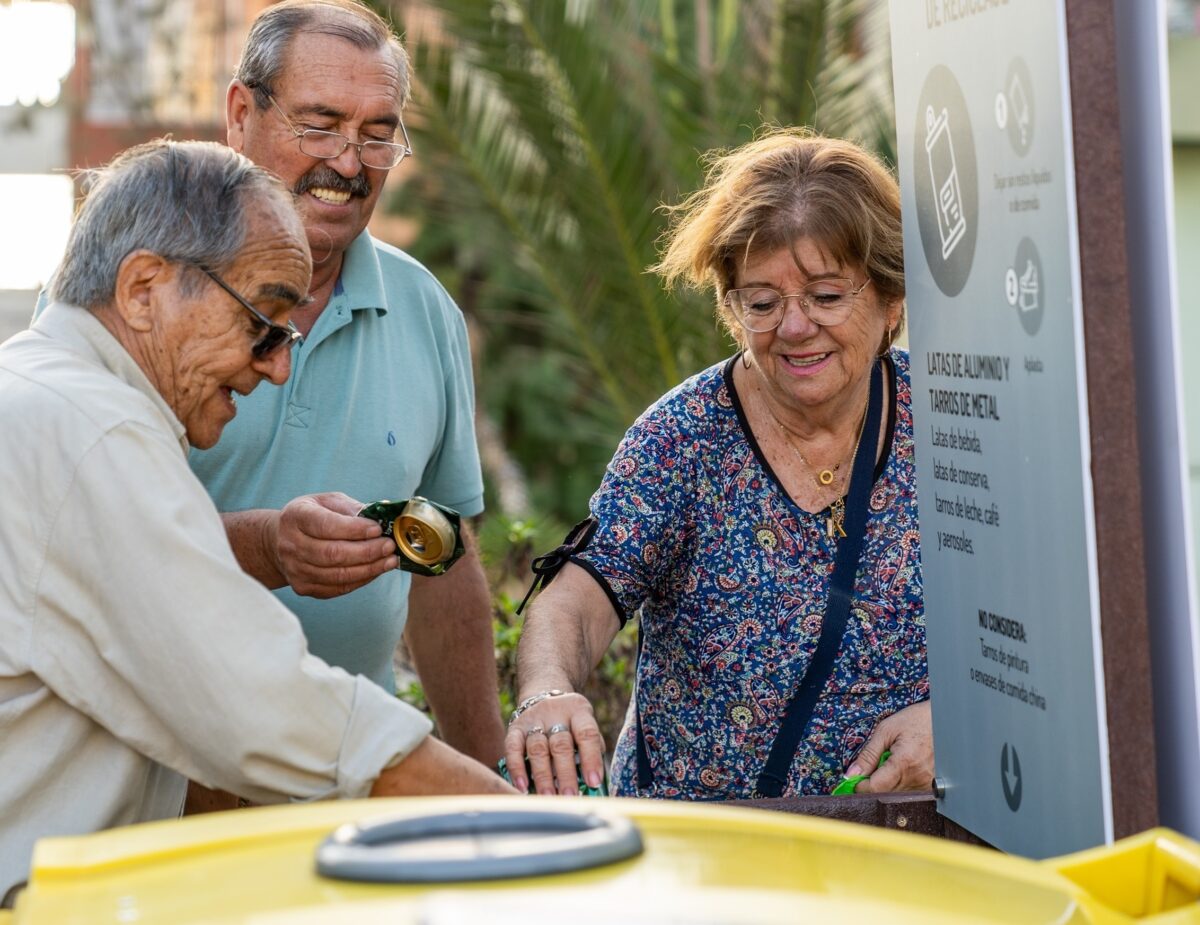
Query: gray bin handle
(455, 847)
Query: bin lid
(698, 865)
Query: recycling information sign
(986, 169)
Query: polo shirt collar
(361, 279)
(79, 329)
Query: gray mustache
(329, 178)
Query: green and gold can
(428, 535)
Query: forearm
(569, 628)
(449, 636)
(435, 768)
(251, 536)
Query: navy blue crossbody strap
(645, 776)
(837, 610)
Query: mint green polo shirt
(380, 404)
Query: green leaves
(549, 132)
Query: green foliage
(548, 133)
(414, 695)
(506, 547)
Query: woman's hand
(549, 732)
(569, 626)
(908, 734)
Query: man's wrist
(268, 538)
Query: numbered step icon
(1024, 286)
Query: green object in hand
(428, 536)
(584, 789)
(846, 787)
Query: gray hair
(273, 30)
(187, 201)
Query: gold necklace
(837, 508)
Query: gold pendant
(837, 515)
(825, 477)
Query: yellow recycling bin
(514, 861)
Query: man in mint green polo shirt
(380, 401)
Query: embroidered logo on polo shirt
(297, 415)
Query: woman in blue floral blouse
(719, 516)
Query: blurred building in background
(78, 83)
(81, 81)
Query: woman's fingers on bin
(541, 769)
(562, 752)
(548, 735)
(591, 749)
(514, 758)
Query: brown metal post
(1116, 471)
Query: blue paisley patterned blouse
(731, 577)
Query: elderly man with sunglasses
(134, 650)
(380, 403)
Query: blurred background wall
(80, 82)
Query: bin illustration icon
(943, 172)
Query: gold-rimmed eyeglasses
(382, 155)
(825, 301)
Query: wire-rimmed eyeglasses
(274, 335)
(382, 155)
(825, 301)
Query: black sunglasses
(275, 335)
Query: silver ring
(535, 731)
(559, 727)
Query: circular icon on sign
(1025, 286)
(946, 181)
(1010, 776)
(1018, 104)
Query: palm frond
(550, 132)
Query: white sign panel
(999, 402)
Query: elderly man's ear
(239, 104)
(143, 280)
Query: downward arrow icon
(1011, 779)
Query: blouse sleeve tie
(547, 566)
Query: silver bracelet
(530, 701)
